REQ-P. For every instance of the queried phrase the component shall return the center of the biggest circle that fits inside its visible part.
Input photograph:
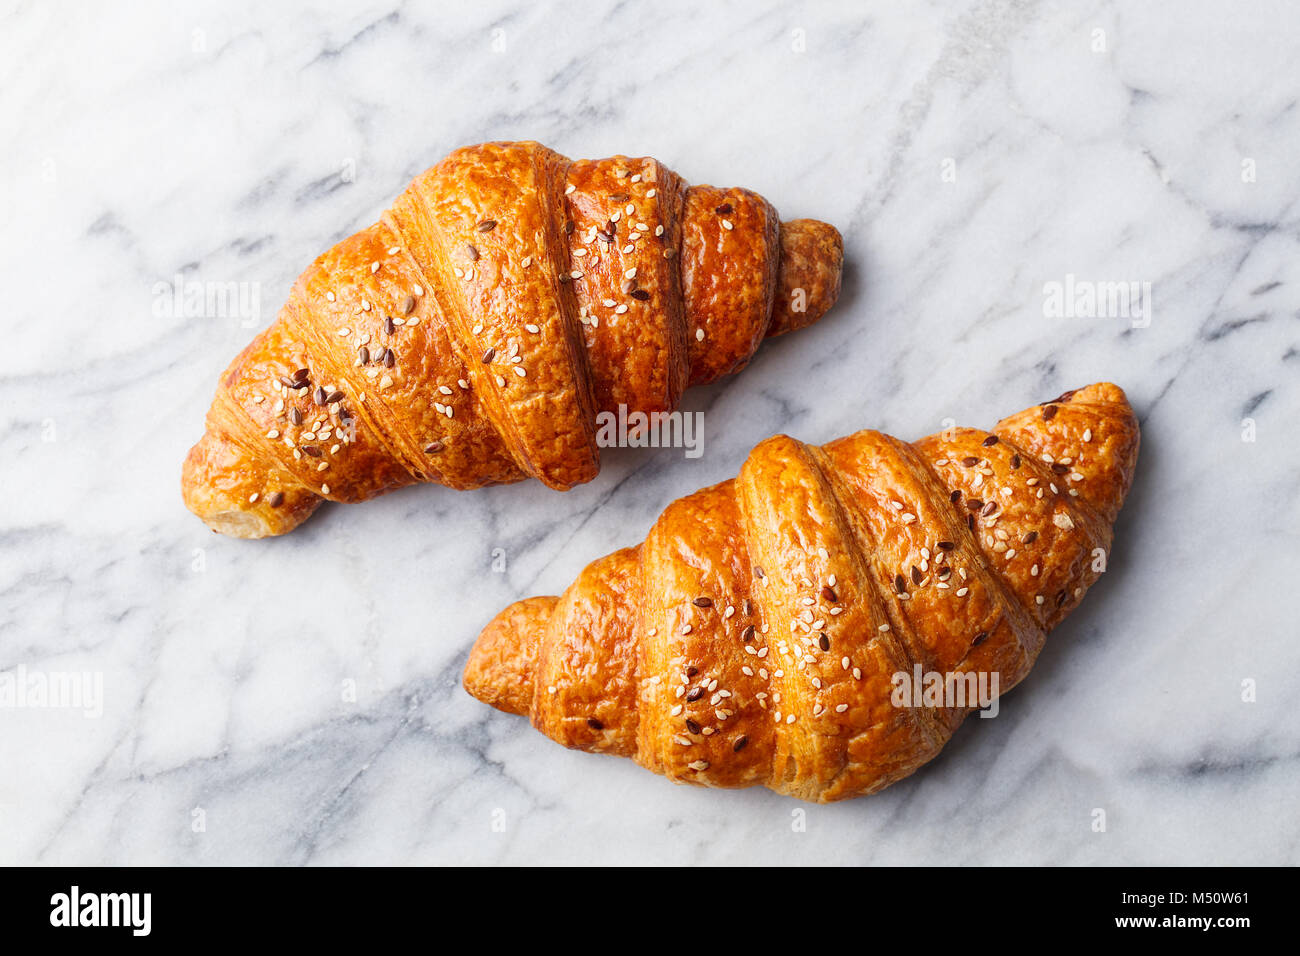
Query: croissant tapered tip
(235, 494)
(499, 671)
(1095, 422)
(808, 277)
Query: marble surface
(297, 701)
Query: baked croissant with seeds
(757, 635)
(471, 336)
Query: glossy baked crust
(470, 336)
(752, 638)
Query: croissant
(471, 336)
(758, 634)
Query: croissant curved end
(223, 485)
(808, 277)
(499, 671)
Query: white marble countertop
(971, 153)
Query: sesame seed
(519, 370)
(726, 224)
(568, 190)
(699, 335)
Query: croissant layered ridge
(472, 335)
(757, 635)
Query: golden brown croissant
(472, 334)
(758, 634)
